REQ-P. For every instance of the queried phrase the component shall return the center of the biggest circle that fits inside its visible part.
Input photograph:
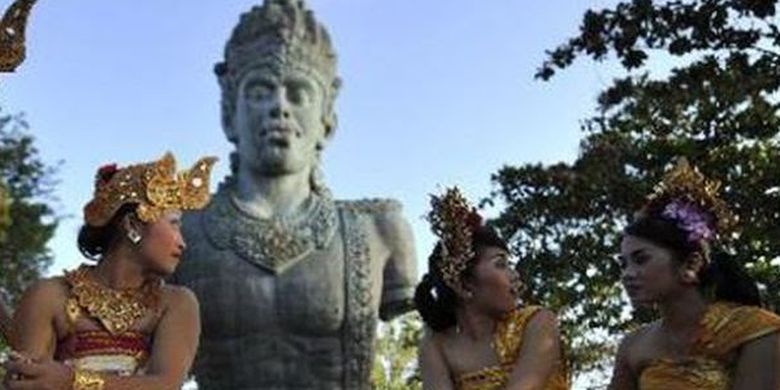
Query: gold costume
(115, 349)
(710, 364)
(507, 343)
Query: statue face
(278, 122)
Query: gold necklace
(116, 310)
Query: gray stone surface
(290, 281)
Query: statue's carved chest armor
(282, 311)
(282, 274)
(242, 298)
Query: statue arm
(400, 268)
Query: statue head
(279, 84)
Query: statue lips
(279, 135)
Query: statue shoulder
(192, 220)
(375, 206)
(191, 223)
(386, 216)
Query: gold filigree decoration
(12, 34)
(685, 182)
(116, 310)
(452, 219)
(87, 380)
(154, 186)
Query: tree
(717, 106)
(395, 361)
(29, 220)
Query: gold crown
(685, 182)
(154, 186)
(452, 219)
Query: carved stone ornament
(274, 243)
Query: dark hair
(94, 242)
(723, 276)
(435, 301)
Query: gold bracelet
(87, 380)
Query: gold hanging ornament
(12, 34)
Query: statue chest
(240, 297)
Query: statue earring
(134, 237)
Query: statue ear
(331, 122)
(228, 105)
(229, 130)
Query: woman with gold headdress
(116, 325)
(711, 333)
(479, 338)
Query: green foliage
(395, 361)
(718, 107)
(28, 183)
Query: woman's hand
(23, 373)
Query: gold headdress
(154, 186)
(685, 193)
(453, 221)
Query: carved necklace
(116, 310)
(274, 243)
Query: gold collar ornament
(116, 310)
(453, 220)
(12, 34)
(154, 186)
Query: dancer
(479, 338)
(711, 334)
(115, 324)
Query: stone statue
(290, 281)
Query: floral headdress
(686, 197)
(454, 221)
(154, 186)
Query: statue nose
(280, 112)
(280, 107)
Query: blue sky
(436, 93)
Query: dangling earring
(134, 237)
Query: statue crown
(280, 33)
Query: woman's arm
(33, 329)
(435, 374)
(540, 353)
(757, 364)
(175, 343)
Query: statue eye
(257, 91)
(299, 94)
